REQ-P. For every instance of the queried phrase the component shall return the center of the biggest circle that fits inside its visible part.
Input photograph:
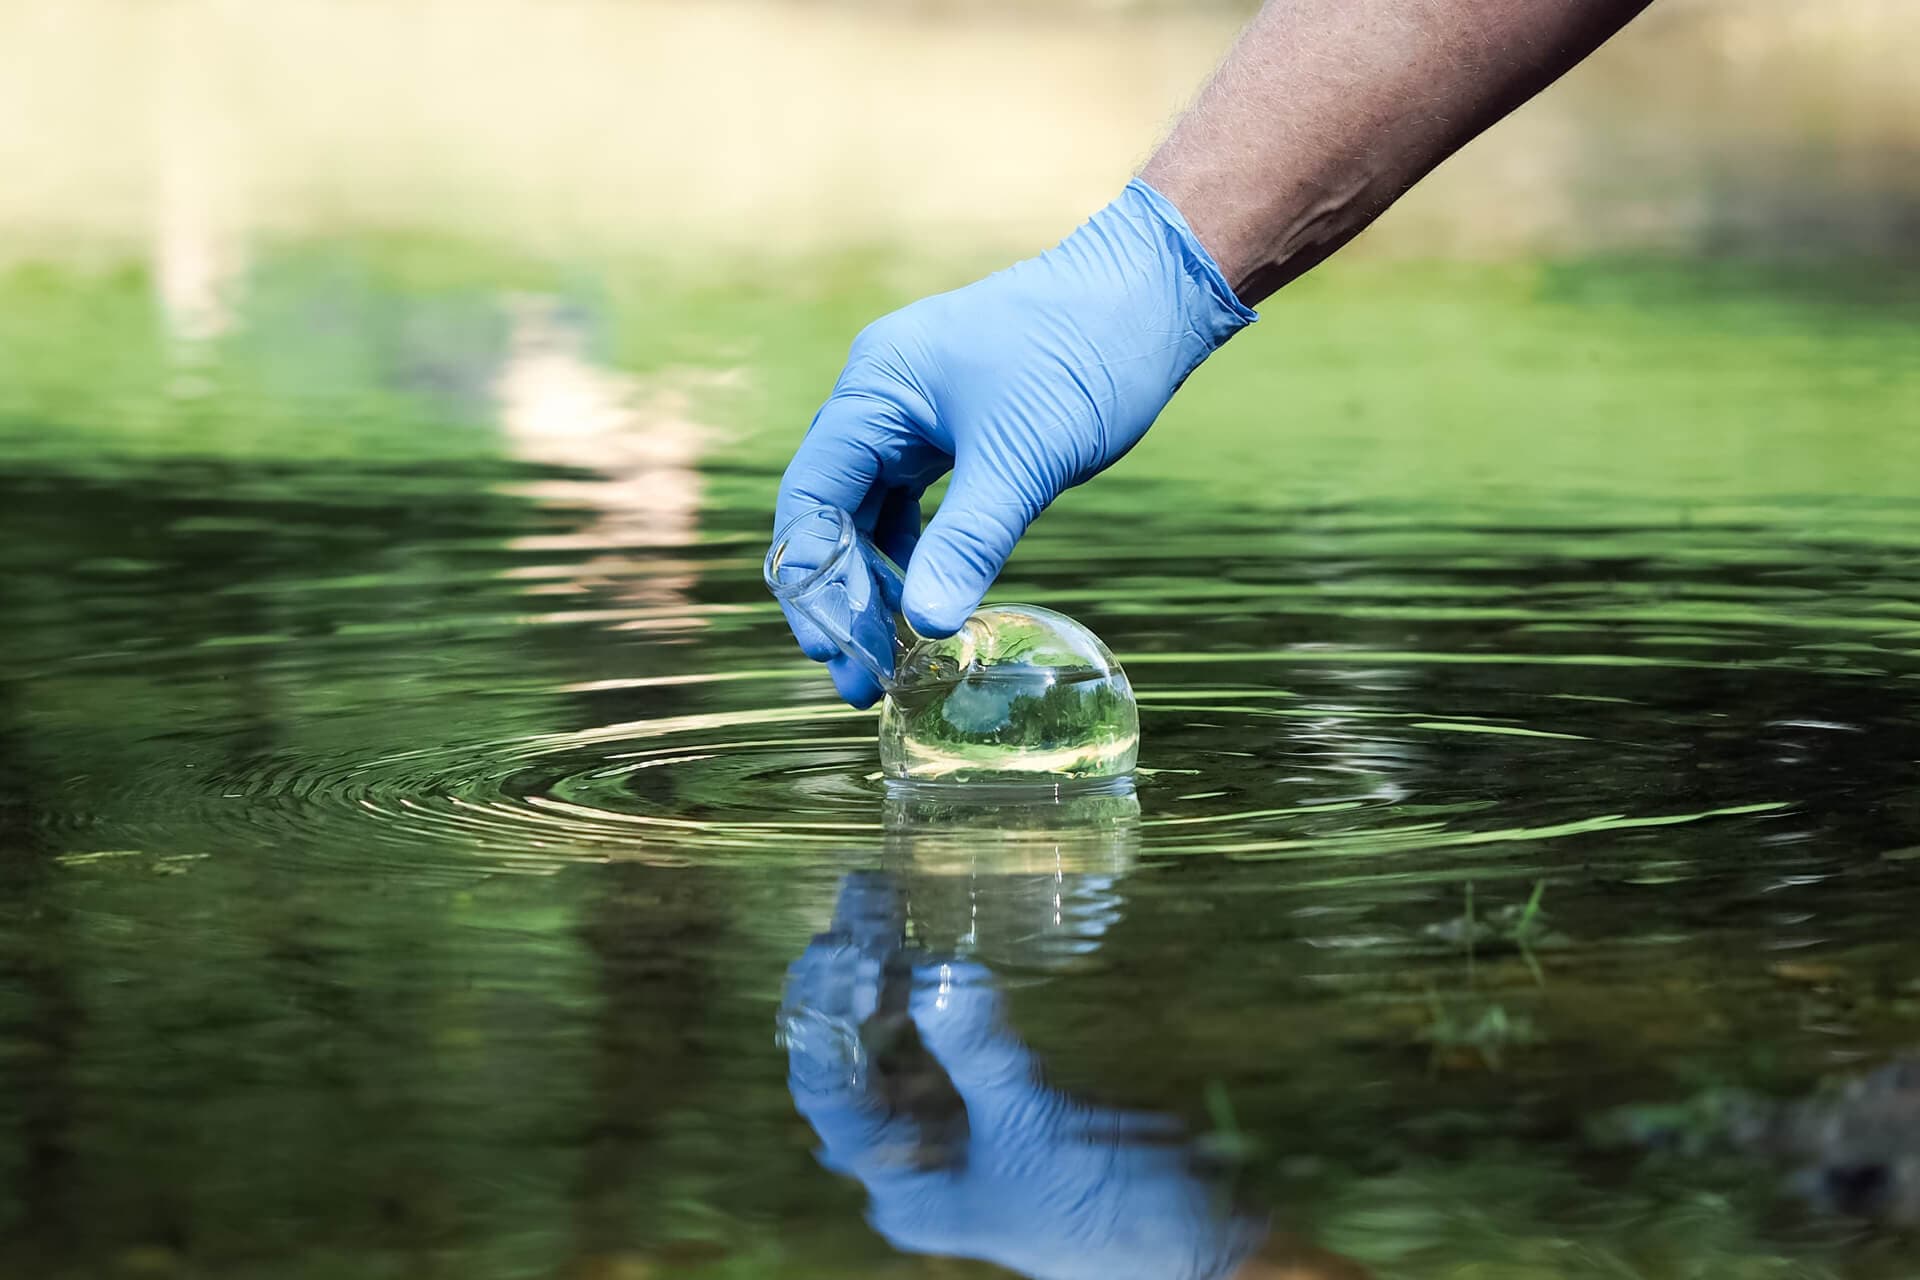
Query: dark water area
(440, 863)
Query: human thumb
(963, 550)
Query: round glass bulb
(1018, 696)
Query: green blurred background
(734, 188)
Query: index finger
(838, 463)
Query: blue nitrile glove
(1023, 384)
(986, 1162)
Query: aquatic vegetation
(1520, 928)
(1505, 1216)
(1466, 1028)
(1225, 1140)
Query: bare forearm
(1326, 111)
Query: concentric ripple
(1378, 692)
(1241, 772)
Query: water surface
(411, 805)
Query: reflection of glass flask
(904, 1059)
(1018, 696)
(1031, 886)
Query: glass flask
(1019, 697)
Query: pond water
(412, 807)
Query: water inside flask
(1018, 697)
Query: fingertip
(965, 547)
(854, 682)
(955, 1003)
(933, 609)
(955, 974)
(961, 1016)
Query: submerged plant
(1473, 1027)
(1520, 927)
(1225, 1140)
(1515, 1214)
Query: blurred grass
(767, 129)
(1673, 380)
(1685, 273)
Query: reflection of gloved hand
(1023, 384)
(906, 1070)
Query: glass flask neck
(829, 577)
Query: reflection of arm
(1284, 1258)
(1327, 111)
(903, 1063)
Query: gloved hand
(1023, 384)
(904, 1066)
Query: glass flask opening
(829, 578)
